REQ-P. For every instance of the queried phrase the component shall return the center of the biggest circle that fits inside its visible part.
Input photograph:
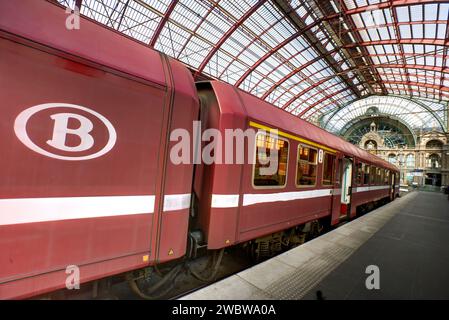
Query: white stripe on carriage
(225, 200)
(336, 192)
(175, 202)
(250, 199)
(32, 210)
(373, 188)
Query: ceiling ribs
(311, 37)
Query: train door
(346, 188)
(392, 185)
(336, 192)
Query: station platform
(408, 240)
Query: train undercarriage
(201, 266)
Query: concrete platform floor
(408, 240)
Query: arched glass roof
(413, 113)
(308, 57)
(394, 133)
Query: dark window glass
(366, 174)
(360, 168)
(328, 169)
(262, 161)
(306, 166)
(387, 176)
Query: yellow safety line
(290, 136)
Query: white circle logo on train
(61, 131)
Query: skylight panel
(236, 9)
(388, 17)
(430, 31)
(186, 16)
(300, 60)
(350, 4)
(379, 17)
(383, 59)
(402, 14)
(441, 33)
(444, 11)
(374, 36)
(371, 50)
(430, 60)
(358, 20)
(301, 11)
(334, 6)
(361, 3)
(405, 31)
(431, 49)
(417, 30)
(368, 19)
(384, 34)
(431, 11)
(364, 35)
(416, 13)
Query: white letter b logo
(61, 131)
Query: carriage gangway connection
(399, 251)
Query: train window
(387, 176)
(306, 167)
(377, 176)
(360, 167)
(265, 144)
(372, 176)
(366, 174)
(337, 172)
(328, 169)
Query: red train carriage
(86, 116)
(319, 175)
(86, 175)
